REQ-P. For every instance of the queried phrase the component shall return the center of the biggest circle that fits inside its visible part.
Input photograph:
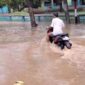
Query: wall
(4, 9)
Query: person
(56, 27)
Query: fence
(39, 17)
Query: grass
(20, 13)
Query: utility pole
(75, 12)
(52, 3)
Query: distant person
(56, 27)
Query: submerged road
(26, 56)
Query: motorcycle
(61, 40)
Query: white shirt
(57, 25)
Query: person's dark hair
(55, 14)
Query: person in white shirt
(56, 26)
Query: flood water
(26, 56)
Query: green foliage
(9, 2)
(15, 4)
(5, 2)
(33, 3)
(2, 2)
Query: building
(47, 4)
(4, 9)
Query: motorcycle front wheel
(68, 45)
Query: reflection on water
(26, 56)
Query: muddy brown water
(26, 56)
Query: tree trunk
(67, 12)
(32, 17)
(60, 4)
(31, 13)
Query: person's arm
(63, 26)
(50, 29)
(52, 24)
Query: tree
(16, 5)
(65, 7)
(5, 2)
(31, 13)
